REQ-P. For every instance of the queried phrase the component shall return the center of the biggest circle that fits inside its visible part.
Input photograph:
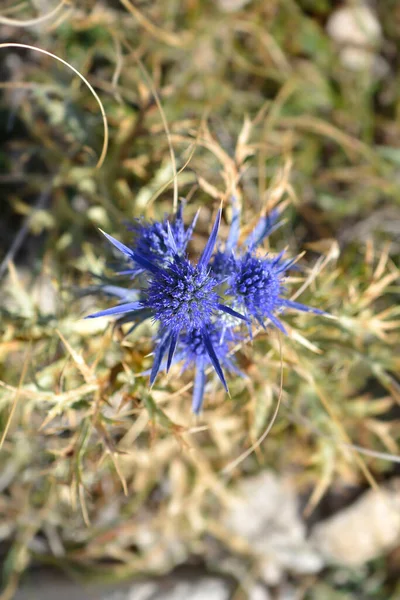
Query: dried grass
(100, 475)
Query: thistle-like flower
(181, 297)
(258, 285)
(188, 301)
(195, 352)
(153, 240)
(256, 282)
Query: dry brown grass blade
(162, 35)
(209, 477)
(85, 81)
(26, 85)
(320, 264)
(16, 396)
(371, 453)
(68, 396)
(382, 262)
(82, 502)
(325, 403)
(153, 90)
(35, 21)
(112, 452)
(27, 530)
(63, 399)
(269, 114)
(375, 289)
(349, 144)
(296, 417)
(233, 464)
(83, 368)
(192, 150)
(321, 487)
(114, 458)
(11, 10)
(268, 41)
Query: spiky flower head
(183, 296)
(187, 300)
(193, 346)
(180, 297)
(194, 349)
(256, 283)
(153, 240)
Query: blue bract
(183, 295)
(160, 242)
(198, 307)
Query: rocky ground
(266, 517)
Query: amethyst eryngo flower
(187, 300)
(195, 352)
(258, 286)
(256, 282)
(153, 240)
(180, 296)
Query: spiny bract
(198, 307)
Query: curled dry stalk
(103, 153)
(236, 462)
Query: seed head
(182, 296)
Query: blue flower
(224, 260)
(153, 240)
(194, 349)
(180, 296)
(183, 296)
(266, 225)
(256, 283)
(188, 301)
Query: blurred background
(109, 490)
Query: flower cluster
(199, 307)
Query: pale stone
(259, 592)
(210, 588)
(266, 516)
(362, 59)
(357, 25)
(50, 586)
(232, 5)
(367, 529)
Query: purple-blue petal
(119, 245)
(199, 385)
(265, 226)
(234, 230)
(137, 258)
(231, 312)
(172, 347)
(159, 355)
(171, 239)
(276, 322)
(302, 307)
(191, 227)
(117, 310)
(214, 358)
(120, 292)
(209, 248)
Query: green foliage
(258, 104)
